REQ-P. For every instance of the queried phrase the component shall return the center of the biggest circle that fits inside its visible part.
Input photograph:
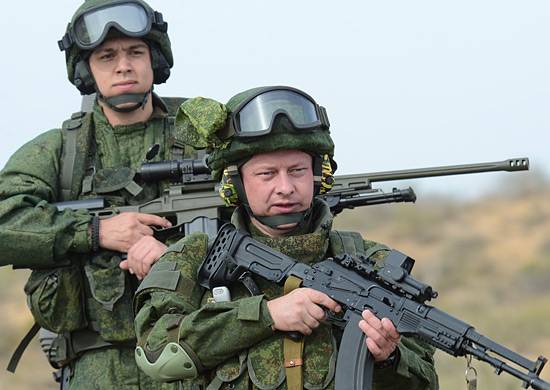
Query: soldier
(273, 156)
(80, 287)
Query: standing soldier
(273, 156)
(80, 287)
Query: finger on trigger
(323, 299)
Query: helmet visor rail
(256, 116)
(90, 29)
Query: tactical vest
(57, 297)
(318, 367)
(74, 177)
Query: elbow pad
(174, 363)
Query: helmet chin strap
(273, 221)
(139, 100)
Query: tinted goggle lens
(90, 29)
(256, 117)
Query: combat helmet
(267, 119)
(95, 21)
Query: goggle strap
(158, 21)
(65, 42)
(324, 117)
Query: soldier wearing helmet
(81, 286)
(273, 155)
(97, 20)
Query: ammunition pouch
(108, 301)
(95, 295)
(55, 298)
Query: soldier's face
(122, 65)
(278, 183)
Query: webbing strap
(68, 159)
(23, 344)
(86, 340)
(293, 350)
(216, 384)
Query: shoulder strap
(76, 133)
(346, 242)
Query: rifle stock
(358, 284)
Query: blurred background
(406, 85)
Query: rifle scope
(173, 170)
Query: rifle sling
(293, 350)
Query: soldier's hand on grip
(300, 310)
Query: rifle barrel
(509, 165)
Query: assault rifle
(192, 204)
(356, 283)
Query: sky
(405, 84)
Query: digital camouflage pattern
(94, 293)
(234, 341)
(197, 121)
(112, 369)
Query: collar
(308, 243)
(159, 111)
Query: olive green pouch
(55, 298)
(109, 298)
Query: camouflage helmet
(285, 126)
(114, 18)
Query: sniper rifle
(191, 203)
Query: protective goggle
(130, 18)
(256, 115)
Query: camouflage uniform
(96, 309)
(233, 341)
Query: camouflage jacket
(233, 341)
(92, 293)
